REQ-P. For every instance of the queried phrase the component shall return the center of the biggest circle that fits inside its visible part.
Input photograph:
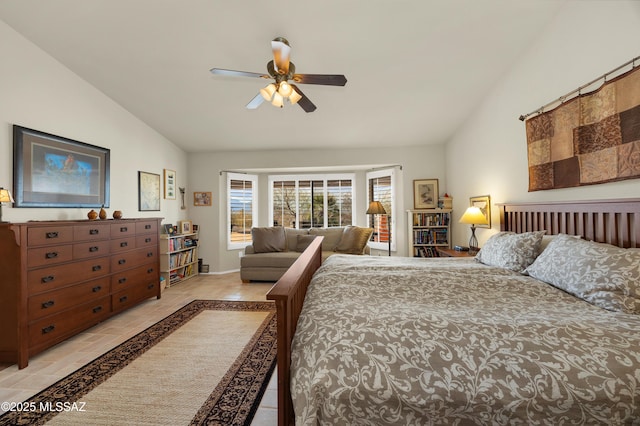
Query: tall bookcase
(178, 257)
(428, 230)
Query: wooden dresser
(61, 277)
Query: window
(311, 201)
(381, 187)
(242, 209)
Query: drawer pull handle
(93, 249)
(150, 270)
(51, 255)
(147, 240)
(52, 235)
(48, 329)
(150, 286)
(97, 309)
(48, 304)
(123, 229)
(122, 261)
(150, 254)
(122, 280)
(94, 231)
(96, 268)
(123, 299)
(47, 279)
(147, 227)
(96, 288)
(124, 244)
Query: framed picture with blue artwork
(54, 171)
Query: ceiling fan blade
(324, 79)
(233, 73)
(255, 102)
(281, 52)
(304, 102)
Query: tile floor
(53, 364)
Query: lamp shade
(375, 207)
(473, 216)
(294, 97)
(5, 196)
(268, 91)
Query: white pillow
(511, 251)
(601, 274)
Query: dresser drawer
(52, 302)
(131, 277)
(131, 259)
(91, 249)
(147, 227)
(46, 279)
(122, 244)
(92, 232)
(50, 330)
(47, 235)
(49, 255)
(132, 295)
(146, 240)
(123, 229)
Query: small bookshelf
(178, 257)
(428, 230)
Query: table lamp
(5, 197)
(473, 216)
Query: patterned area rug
(233, 401)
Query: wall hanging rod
(561, 99)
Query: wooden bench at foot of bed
(288, 294)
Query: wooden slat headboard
(615, 222)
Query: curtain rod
(561, 99)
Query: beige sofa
(275, 248)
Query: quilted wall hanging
(590, 139)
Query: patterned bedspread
(451, 341)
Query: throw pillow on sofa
(303, 242)
(353, 240)
(268, 239)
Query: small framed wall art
(202, 198)
(483, 202)
(148, 192)
(169, 184)
(425, 193)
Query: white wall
(204, 175)
(39, 93)
(489, 156)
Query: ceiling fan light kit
(281, 69)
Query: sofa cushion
(303, 242)
(283, 259)
(268, 239)
(292, 237)
(353, 240)
(331, 236)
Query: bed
(526, 338)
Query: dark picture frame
(148, 192)
(425, 194)
(54, 171)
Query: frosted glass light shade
(294, 97)
(267, 92)
(285, 89)
(277, 100)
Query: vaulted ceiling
(416, 69)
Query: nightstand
(447, 252)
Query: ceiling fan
(283, 72)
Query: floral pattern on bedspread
(452, 341)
